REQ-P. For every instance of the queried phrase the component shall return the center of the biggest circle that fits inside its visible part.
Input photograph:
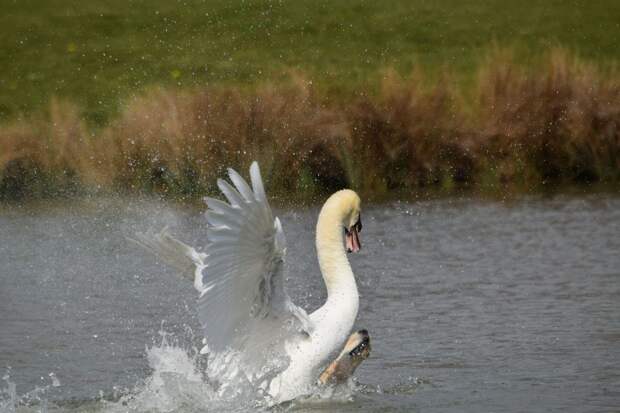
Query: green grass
(99, 53)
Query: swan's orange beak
(353, 237)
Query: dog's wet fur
(356, 349)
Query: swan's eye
(358, 224)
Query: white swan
(247, 317)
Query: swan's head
(350, 206)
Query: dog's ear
(356, 350)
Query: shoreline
(523, 130)
(95, 200)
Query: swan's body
(244, 308)
(334, 320)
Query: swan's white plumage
(243, 307)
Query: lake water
(472, 306)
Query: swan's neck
(333, 261)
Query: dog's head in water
(356, 349)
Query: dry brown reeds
(45, 156)
(179, 142)
(560, 123)
(520, 128)
(410, 136)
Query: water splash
(175, 381)
(8, 396)
(35, 400)
(178, 382)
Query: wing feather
(218, 206)
(257, 183)
(241, 185)
(231, 194)
(222, 220)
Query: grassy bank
(521, 129)
(98, 54)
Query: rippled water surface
(472, 306)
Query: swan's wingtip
(257, 182)
(255, 170)
(232, 174)
(220, 182)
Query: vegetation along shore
(522, 129)
(158, 97)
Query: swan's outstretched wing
(243, 297)
(175, 253)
